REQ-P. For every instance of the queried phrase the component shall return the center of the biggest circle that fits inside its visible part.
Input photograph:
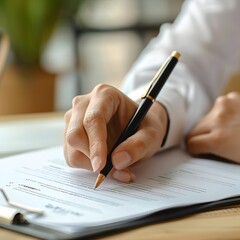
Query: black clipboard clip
(14, 213)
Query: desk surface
(220, 225)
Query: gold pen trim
(174, 54)
(150, 98)
(154, 79)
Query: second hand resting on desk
(148, 98)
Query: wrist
(164, 118)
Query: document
(22, 135)
(41, 179)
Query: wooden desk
(220, 225)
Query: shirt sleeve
(207, 35)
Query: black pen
(148, 98)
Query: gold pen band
(150, 98)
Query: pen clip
(146, 94)
(174, 54)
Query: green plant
(29, 24)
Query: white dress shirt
(207, 34)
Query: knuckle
(221, 101)
(76, 100)
(90, 118)
(233, 95)
(72, 136)
(222, 104)
(105, 90)
(142, 145)
(226, 101)
(102, 87)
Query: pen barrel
(146, 103)
(130, 129)
(135, 121)
(163, 76)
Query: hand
(95, 122)
(218, 132)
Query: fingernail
(95, 164)
(121, 160)
(122, 176)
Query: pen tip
(99, 180)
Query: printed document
(170, 179)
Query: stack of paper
(172, 179)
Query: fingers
(141, 145)
(86, 134)
(145, 142)
(76, 149)
(77, 159)
(76, 135)
(200, 129)
(204, 126)
(200, 144)
(103, 105)
(125, 175)
(214, 129)
(95, 122)
(199, 140)
(74, 158)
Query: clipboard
(12, 218)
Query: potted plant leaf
(25, 86)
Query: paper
(30, 134)
(42, 179)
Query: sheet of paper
(30, 134)
(42, 179)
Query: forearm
(205, 35)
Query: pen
(148, 98)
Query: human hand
(95, 122)
(218, 132)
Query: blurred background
(62, 48)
